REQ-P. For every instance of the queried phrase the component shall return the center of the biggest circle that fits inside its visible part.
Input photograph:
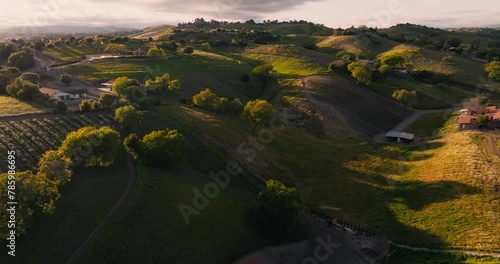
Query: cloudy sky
(333, 13)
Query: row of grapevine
(31, 138)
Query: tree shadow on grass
(412, 195)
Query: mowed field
(288, 60)
(10, 106)
(144, 69)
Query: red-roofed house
(468, 119)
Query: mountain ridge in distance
(65, 29)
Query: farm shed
(77, 94)
(400, 137)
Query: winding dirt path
(106, 221)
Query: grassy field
(144, 69)
(288, 60)
(429, 125)
(152, 229)
(84, 202)
(10, 106)
(300, 39)
(361, 45)
(429, 96)
(438, 34)
(421, 196)
(72, 52)
(360, 107)
(400, 255)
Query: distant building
(64, 95)
(400, 137)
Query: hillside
(364, 45)
(410, 32)
(364, 111)
(440, 192)
(288, 60)
(154, 32)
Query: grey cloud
(253, 8)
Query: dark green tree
(277, 211)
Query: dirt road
(94, 235)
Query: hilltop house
(64, 95)
(468, 118)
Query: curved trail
(94, 235)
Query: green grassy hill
(435, 34)
(288, 60)
(10, 106)
(362, 44)
(425, 195)
(154, 32)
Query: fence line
(335, 220)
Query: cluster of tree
(264, 73)
(6, 49)
(7, 76)
(39, 194)
(66, 79)
(409, 98)
(202, 23)
(128, 117)
(88, 146)
(115, 48)
(360, 73)
(344, 32)
(188, 49)
(23, 59)
(207, 99)
(206, 46)
(155, 52)
(258, 112)
(106, 101)
(224, 37)
(164, 148)
(163, 83)
(91, 147)
(393, 61)
(89, 106)
(277, 211)
(129, 89)
(429, 76)
(25, 86)
(168, 46)
(493, 70)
